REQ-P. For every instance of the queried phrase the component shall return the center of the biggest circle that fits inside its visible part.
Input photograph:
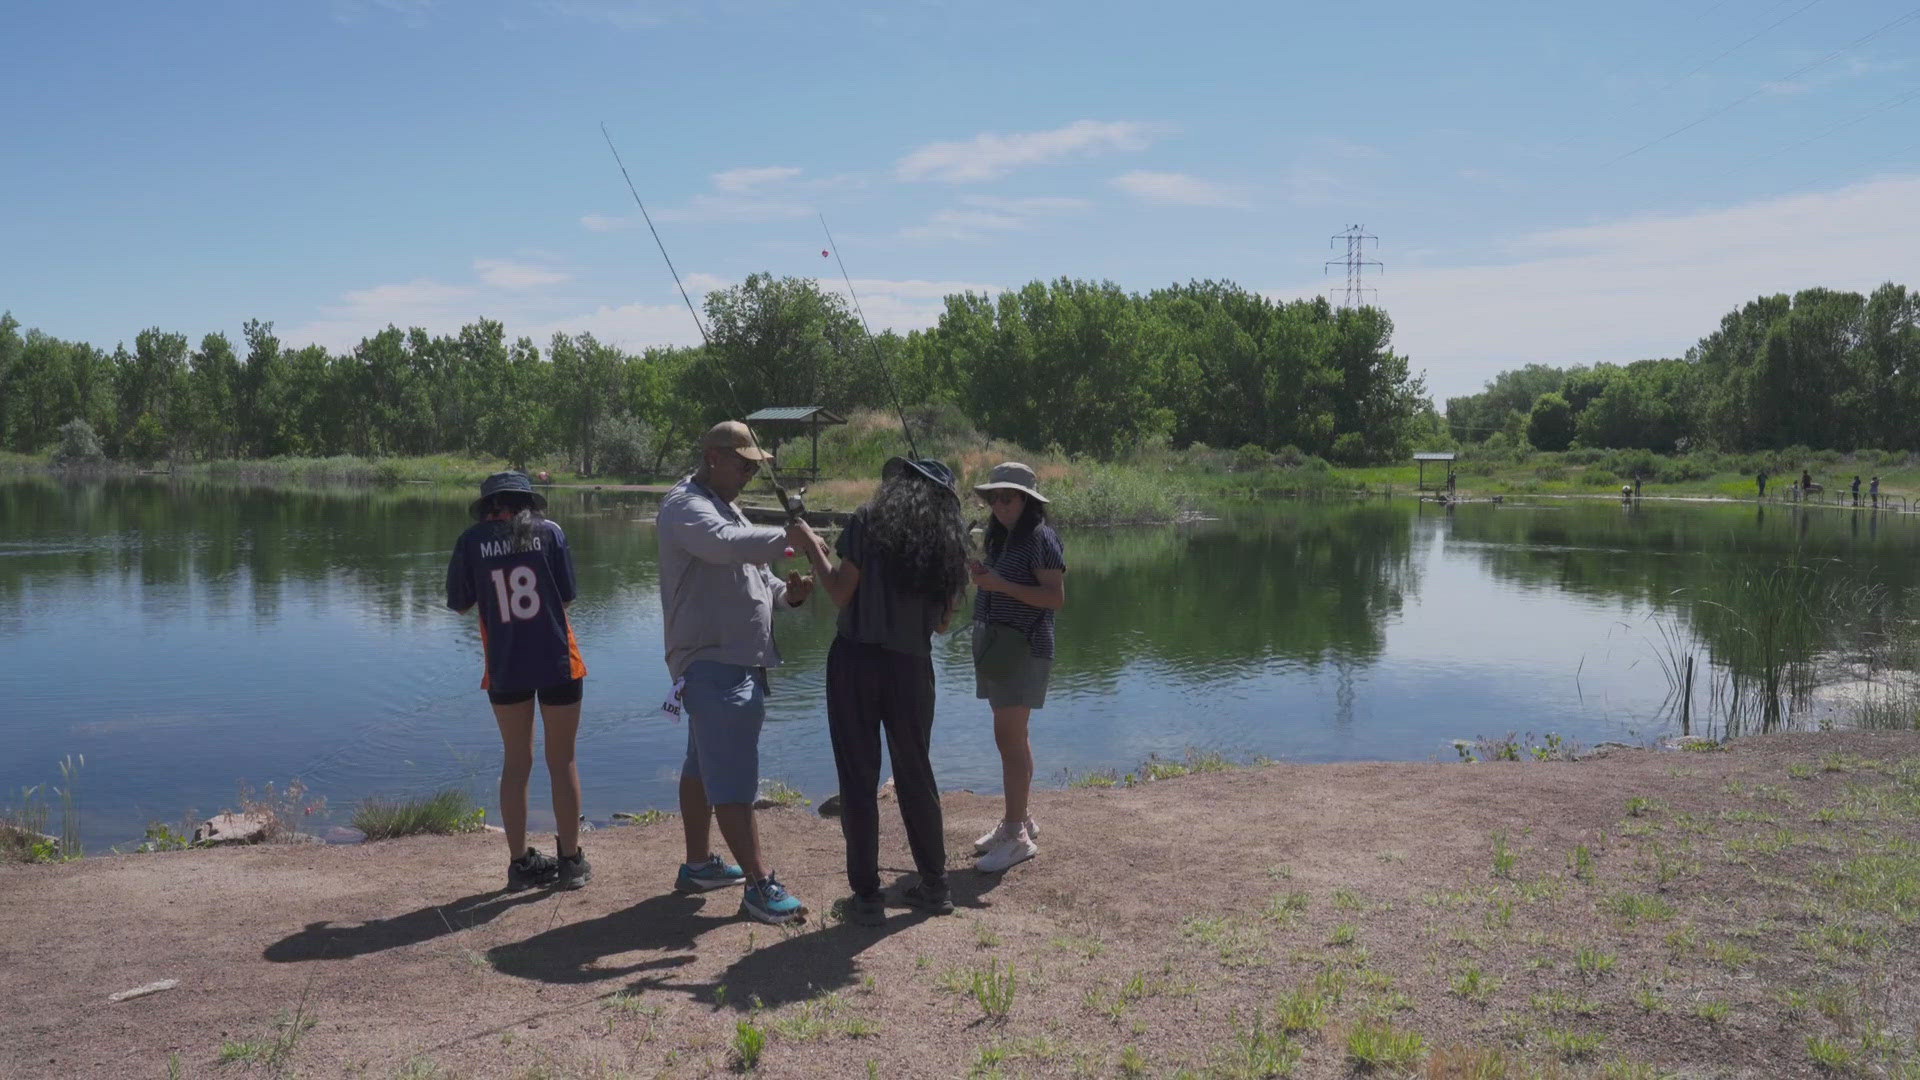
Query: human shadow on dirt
(797, 964)
(337, 941)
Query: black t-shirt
(879, 613)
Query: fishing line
(893, 388)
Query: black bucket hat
(931, 468)
(506, 482)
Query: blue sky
(337, 165)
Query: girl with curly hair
(902, 572)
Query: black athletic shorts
(566, 693)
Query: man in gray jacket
(719, 596)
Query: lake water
(188, 638)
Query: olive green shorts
(1025, 685)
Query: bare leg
(563, 725)
(742, 835)
(1016, 758)
(516, 738)
(696, 819)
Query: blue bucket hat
(505, 482)
(931, 468)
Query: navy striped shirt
(1017, 561)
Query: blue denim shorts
(726, 704)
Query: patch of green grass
(643, 817)
(1570, 1046)
(1641, 806)
(1347, 900)
(1255, 1053)
(1284, 906)
(1559, 1003)
(1728, 953)
(1499, 914)
(993, 989)
(782, 794)
(274, 1050)
(1303, 1010)
(1085, 945)
(1800, 771)
(442, 813)
(749, 1042)
(1713, 1012)
(1343, 934)
(1098, 778)
(1131, 1063)
(1580, 862)
(1503, 859)
(1473, 985)
(1635, 908)
(1378, 1045)
(1829, 1055)
(1592, 963)
(1236, 944)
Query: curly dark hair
(916, 526)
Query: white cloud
(1178, 188)
(1647, 286)
(990, 155)
(507, 274)
(979, 215)
(748, 179)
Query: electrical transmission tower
(1356, 262)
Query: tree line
(1820, 369)
(1081, 366)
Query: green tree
(1550, 424)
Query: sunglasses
(997, 498)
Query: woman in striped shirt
(1021, 583)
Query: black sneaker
(531, 871)
(867, 910)
(932, 899)
(574, 871)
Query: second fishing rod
(792, 503)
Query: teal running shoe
(715, 873)
(770, 902)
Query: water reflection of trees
(382, 550)
(1302, 582)
(1759, 596)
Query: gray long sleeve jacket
(716, 589)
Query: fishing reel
(794, 503)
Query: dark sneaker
(770, 902)
(715, 873)
(531, 871)
(867, 910)
(575, 870)
(932, 899)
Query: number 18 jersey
(522, 597)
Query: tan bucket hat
(1011, 476)
(733, 435)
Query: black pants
(869, 688)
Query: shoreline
(1739, 912)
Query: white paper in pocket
(672, 708)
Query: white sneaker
(1002, 832)
(1009, 852)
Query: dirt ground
(1740, 913)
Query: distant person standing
(1806, 483)
(1761, 479)
(1636, 485)
(718, 597)
(514, 564)
(1856, 489)
(1875, 493)
(1020, 583)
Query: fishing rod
(794, 505)
(893, 389)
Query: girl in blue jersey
(514, 565)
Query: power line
(1677, 80)
(1762, 88)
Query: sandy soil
(1752, 905)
